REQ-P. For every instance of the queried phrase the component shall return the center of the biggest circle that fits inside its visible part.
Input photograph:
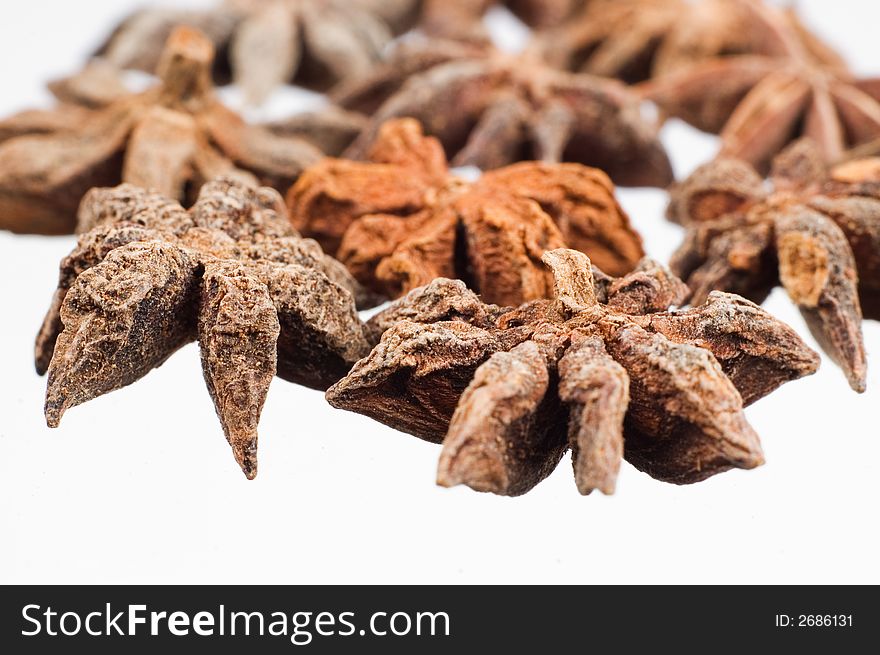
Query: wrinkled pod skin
(401, 220)
(148, 277)
(605, 369)
(813, 231)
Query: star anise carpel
(605, 369)
(148, 277)
(490, 109)
(171, 138)
(815, 232)
(759, 103)
(401, 220)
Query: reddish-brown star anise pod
(604, 369)
(266, 43)
(148, 277)
(818, 235)
(401, 220)
(634, 40)
(171, 138)
(490, 109)
(760, 103)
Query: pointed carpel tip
(53, 412)
(245, 455)
(41, 365)
(444, 479)
(752, 459)
(757, 460)
(858, 383)
(334, 394)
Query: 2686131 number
(814, 621)
(825, 620)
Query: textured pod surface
(606, 368)
(401, 220)
(503, 436)
(148, 276)
(171, 138)
(813, 231)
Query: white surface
(140, 487)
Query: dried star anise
(490, 109)
(760, 103)
(634, 40)
(98, 85)
(266, 43)
(147, 277)
(603, 369)
(171, 138)
(816, 234)
(401, 220)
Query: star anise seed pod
(490, 109)
(635, 40)
(148, 277)
(98, 84)
(760, 103)
(602, 369)
(267, 43)
(818, 235)
(401, 220)
(171, 138)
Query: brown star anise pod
(148, 277)
(267, 43)
(401, 220)
(634, 40)
(760, 103)
(490, 109)
(604, 369)
(171, 138)
(816, 234)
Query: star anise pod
(760, 103)
(266, 43)
(98, 85)
(634, 40)
(490, 109)
(603, 369)
(148, 277)
(171, 138)
(401, 220)
(817, 234)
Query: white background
(140, 487)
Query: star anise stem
(185, 70)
